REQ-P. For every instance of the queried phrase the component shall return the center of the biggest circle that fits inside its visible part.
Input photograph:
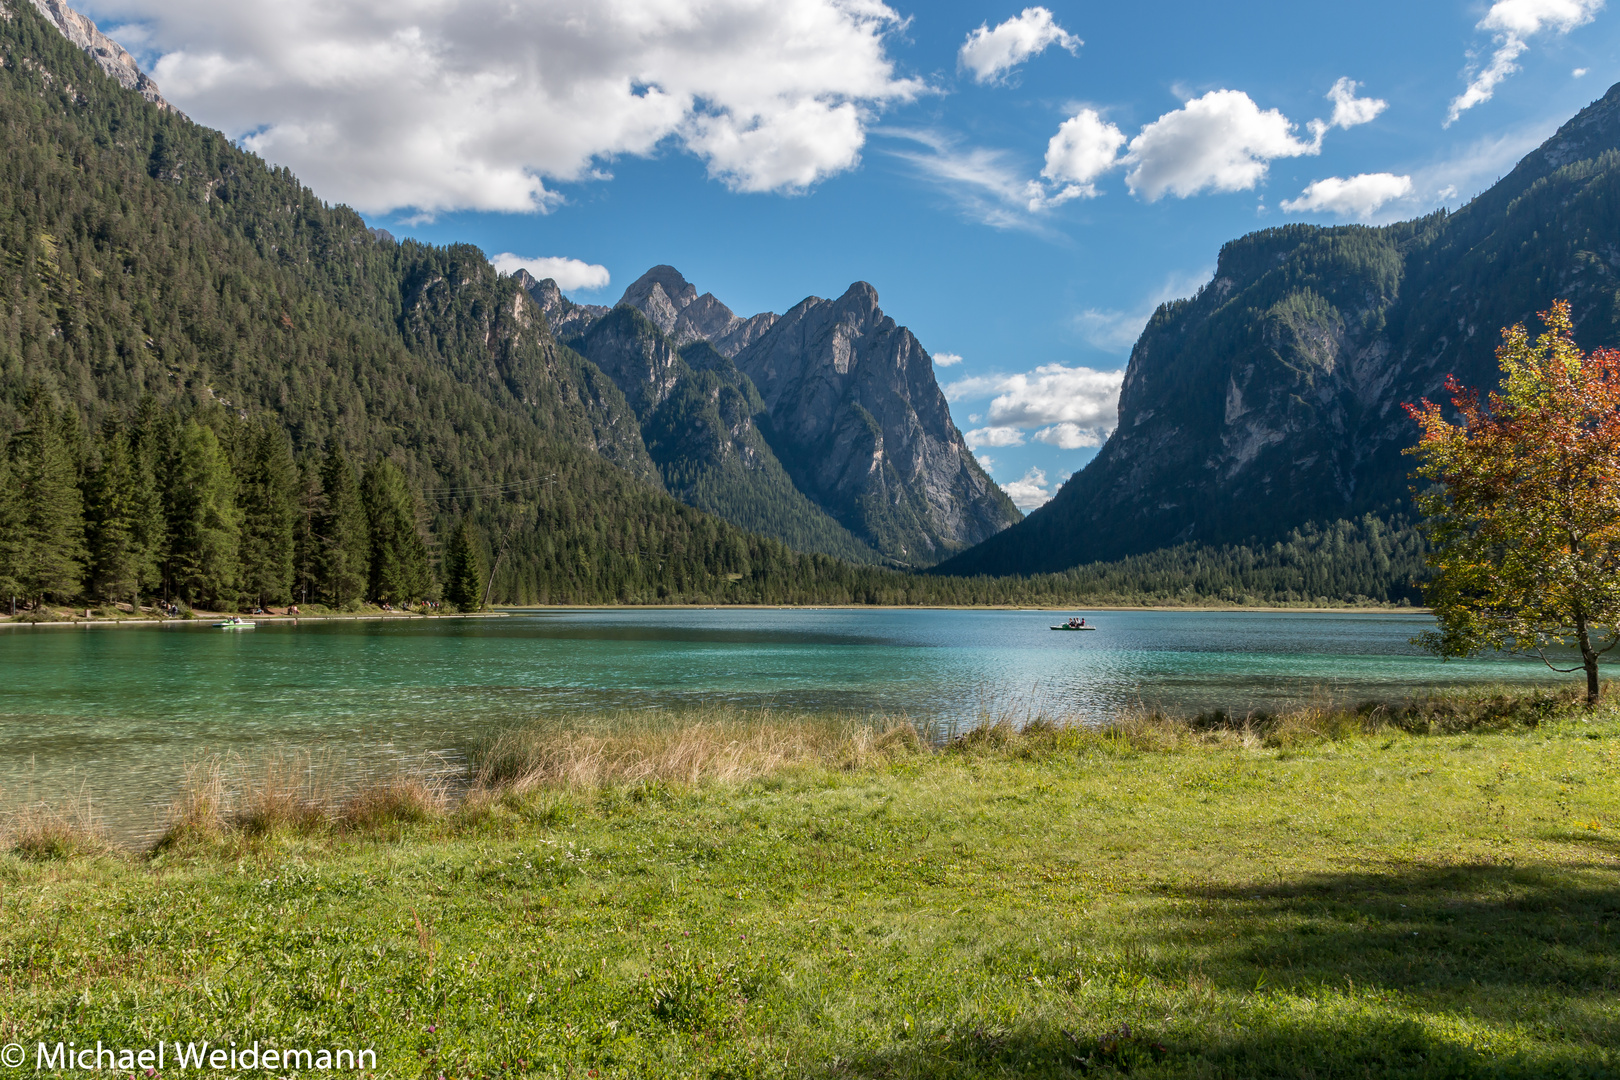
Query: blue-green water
(119, 711)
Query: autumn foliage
(1523, 503)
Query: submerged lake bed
(118, 713)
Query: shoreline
(506, 611)
(1381, 609)
(205, 620)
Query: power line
(490, 489)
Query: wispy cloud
(1512, 24)
(984, 183)
(1116, 330)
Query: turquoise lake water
(118, 712)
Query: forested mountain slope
(1272, 398)
(143, 257)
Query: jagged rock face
(858, 419)
(673, 305)
(113, 58)
(847, 405)
(1273, 398)
(698, 421)
(642, 362)
(567, 319)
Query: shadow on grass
(1385, 1050)
(1347, 975)
(1477, 935)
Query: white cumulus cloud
(1511, 24)
(1350, 111)
(1222, 141)
(1081, 401)
(1069, 436)
(993, 436)
(569, 274)
(436, 105)
(990, 54)
(1085, 147)
(946, 359)
(1030, 491)
(1355, 196)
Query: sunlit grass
(1421, 890)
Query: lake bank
(1231, 902)
(124, 714)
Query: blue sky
(776, 150)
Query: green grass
(1321, 895)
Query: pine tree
(50, 560)
(464, 570)
(342, 532)
(309, 502)
(400, 570)
(10, 531)
(268, 481)
(205, 522)
(111, 512)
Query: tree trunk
(1589, 658)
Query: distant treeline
(213, 515)
(214, 510)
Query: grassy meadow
(1423, 890)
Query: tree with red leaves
(1523, 507)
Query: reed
(43, 832)
(723, 746)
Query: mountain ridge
(1272, 398)
(861, 428)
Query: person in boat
(1075, 624)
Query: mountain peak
(114, 59)
(661, 294)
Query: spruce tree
(309, 502)
(111, 512)
(10, 531)
(50, 542)
(342, 532)
(205, 521)
(400, 569)
(268, 483)
(464, 570)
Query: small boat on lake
(235, 623)
(1073, 626)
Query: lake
(117, 712)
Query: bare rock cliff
(113, 57)
(859, 421)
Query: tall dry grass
(298, 792)
(237, 804)
(713, 746)
(42, 831)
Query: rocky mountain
(1272, 397)
(854, 412)
(566, 318)
(847, 446)
(112, 57)
(697, 415)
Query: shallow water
(117, 712)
